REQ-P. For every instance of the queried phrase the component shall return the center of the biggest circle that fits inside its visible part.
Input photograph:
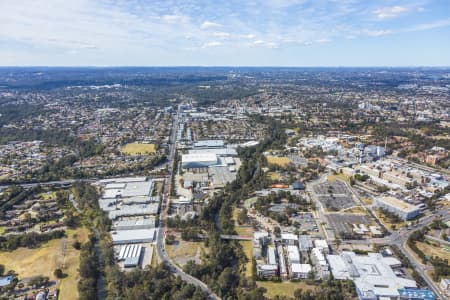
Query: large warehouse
(199, 160)
(404, 210)
(134, 236)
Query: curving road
(160, 240)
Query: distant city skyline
(225, 33)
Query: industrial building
(198, 160)
(209, 144)
(372, 274)
(132, 209)
(130, 254)
(404, 210)
(134, 236)
(135, 223)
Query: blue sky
(225, 33)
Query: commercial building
(289, 239)
(320, 264)
(305, 243)
(372, 275)
(300, 271)
(322, 245)
(404, 210)
(266, 271)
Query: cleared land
(50, 256)
(183, 251)
(136, 149)
(286, 288)
(279, 161)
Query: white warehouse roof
(133, 236)
(199, 157)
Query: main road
(160, 240)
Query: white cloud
(375, 33)
(173, 19)
(248, 36)
(262, 43)
(222, 35)
(323, 41)
(427, 26)
(212, 44)
(390, 12)
(209, 24)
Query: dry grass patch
(50, 256)
(274, 176)
(431, 250)
(137, 148)
(247, 246)
(339, 177)
(285, 288)
(282, 161)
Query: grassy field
(136, 149)
(286, 288)
(339, 177)
(248, 250)
(44, 260)
(279, 161)
(433, 250)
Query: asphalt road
(160, 240)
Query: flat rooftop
(397, 203)
(370, 273)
